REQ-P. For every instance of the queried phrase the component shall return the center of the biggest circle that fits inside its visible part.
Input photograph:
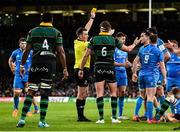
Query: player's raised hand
(169, 44)
(137, 41)
(93, 13)
(80, 74)
(22, 70)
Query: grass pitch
(62, 117)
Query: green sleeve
(90, 44)
(59, 39)
(118, 44)
(29, 38)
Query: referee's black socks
(80, 107)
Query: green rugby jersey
(104, 46)
(44, 39)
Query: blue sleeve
(139, 51)
(161, 46)
(13, 55)
(161, 57)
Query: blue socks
(121, 105)
(149, 110)
(35, 107)
(16, 102)
(138, 105)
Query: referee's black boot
(83, 119)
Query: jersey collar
(46, 24)
(104, 33)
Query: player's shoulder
(56, 30)
(156, 49)
(141, 48)
(160, 42)
(16, 51)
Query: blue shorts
(121, 78)
(19, 82)
(172, 82)
(147, 82)
(160, 80)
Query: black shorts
(104, 72)
(177, 116)
(84, 82)
(43, 69)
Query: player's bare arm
(11, 64)
(163, 70)
(91, 20)
(84, 60)
(62, 58)
(134, 68)
(24, 58)
(131, 47)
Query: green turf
(62, 117)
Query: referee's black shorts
(84, 82)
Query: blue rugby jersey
(17, 57)
(173, 66)
(120, 57)
(149, 56)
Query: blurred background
(128, 16)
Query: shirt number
(103, 51)
(146, 58)
(45, 44)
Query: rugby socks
(114, 106)
(158, 109)
(163, 109)
(80, 107)
(100, 106)
(149, 110)
(43, 107)
(26, 107)
(138, 105)
(16, 102)
(121, 105)
(161, 99)
(35, 107)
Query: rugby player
(44, 40)
(20, 82)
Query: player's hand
(168, 45)
(22, 70)
(137, 41)
(164, 82)
(134, 77)
(65, 74)
(80, 74)
(128, 64)
(93, 13)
